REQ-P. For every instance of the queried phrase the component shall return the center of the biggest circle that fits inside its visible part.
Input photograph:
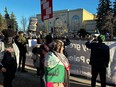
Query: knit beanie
(101, 38)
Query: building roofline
(65, 10)
(88, 12)
(57, 11)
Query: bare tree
(24, 23)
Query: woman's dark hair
(20, 32)
(48, 39)
(44, 47)
(8, 32)
(39, 41)
(35, 50)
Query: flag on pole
(46, 9)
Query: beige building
(68, 21)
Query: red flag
(46, 9)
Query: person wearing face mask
(10, 56)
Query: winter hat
(101, 38)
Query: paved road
(30, 79)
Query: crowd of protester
(47, 55)
(49, 58)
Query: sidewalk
(30, 79)
(83, 81)
(78, 80)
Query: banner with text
(78, 55)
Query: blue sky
(28, 8)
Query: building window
(75, 23)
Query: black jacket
(99, 54)
(22, 47)
(0, 66)
(9, 63)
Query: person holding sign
(99, 59)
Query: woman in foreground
(57, 68)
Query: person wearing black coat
(10, 65)
(21, 42)
(2, 68)
(99, 59)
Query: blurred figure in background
(36, 56)
(21, 42)
(43, 50)
(82, 33)
(48, 41)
